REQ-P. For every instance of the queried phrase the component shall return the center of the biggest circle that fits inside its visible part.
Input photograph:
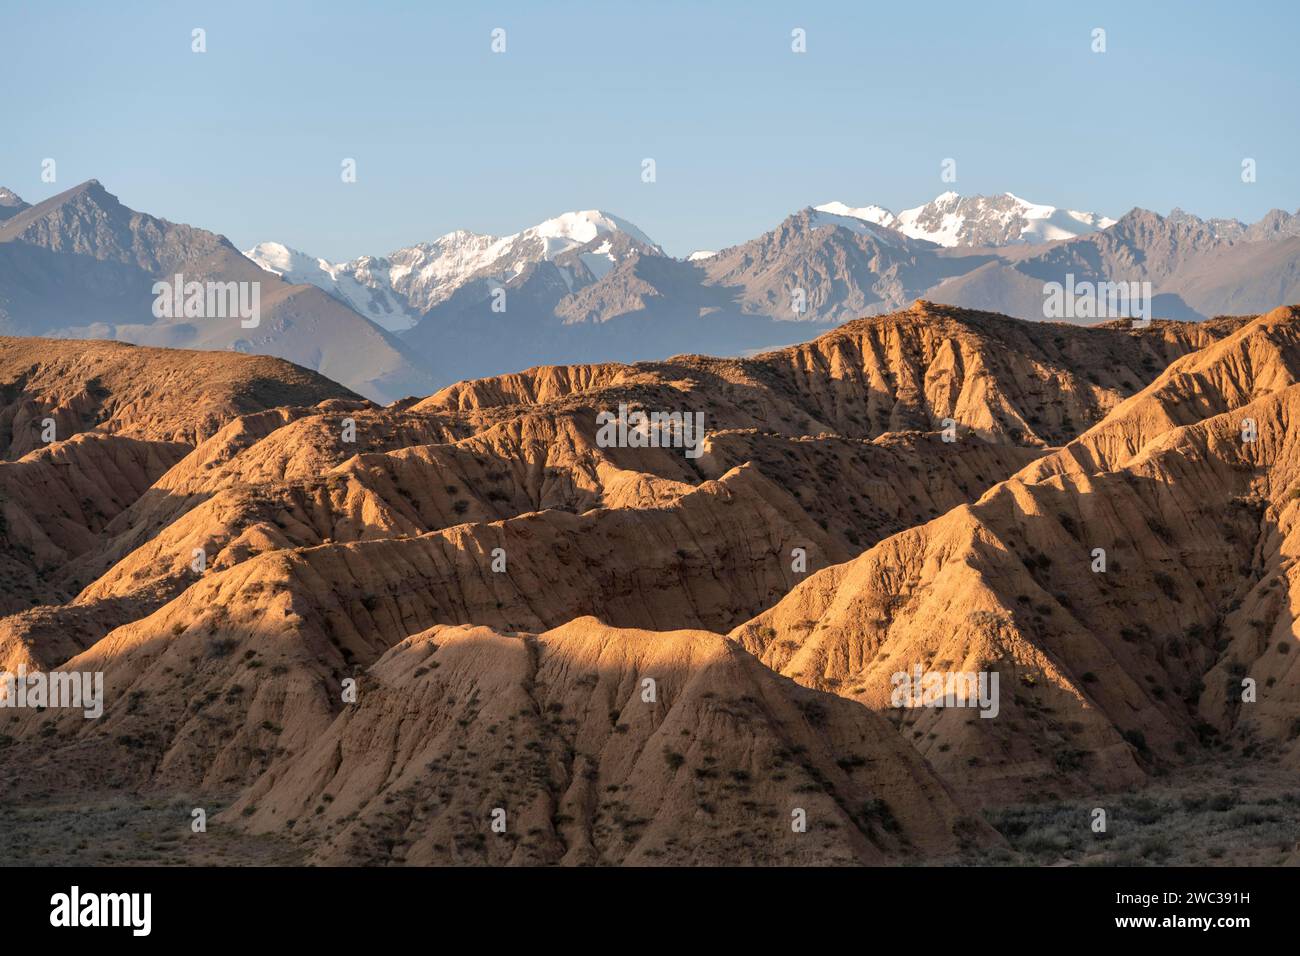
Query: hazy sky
(247, 138)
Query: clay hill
(1189, 487)
(640, 656)
(86, 428)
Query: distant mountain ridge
(458, 271)
(1275, 224)
(394, 290)
(83, 265)
(589, 286)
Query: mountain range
(590, 286)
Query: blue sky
(247, 138)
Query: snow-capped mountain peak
(862, 221)
(285, 262)
(395, 290)
(951, 219)
(878, 215)
(11, 204)
(582, 227)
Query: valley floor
(1230, 811)
(1233, 811)
(120, 829)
